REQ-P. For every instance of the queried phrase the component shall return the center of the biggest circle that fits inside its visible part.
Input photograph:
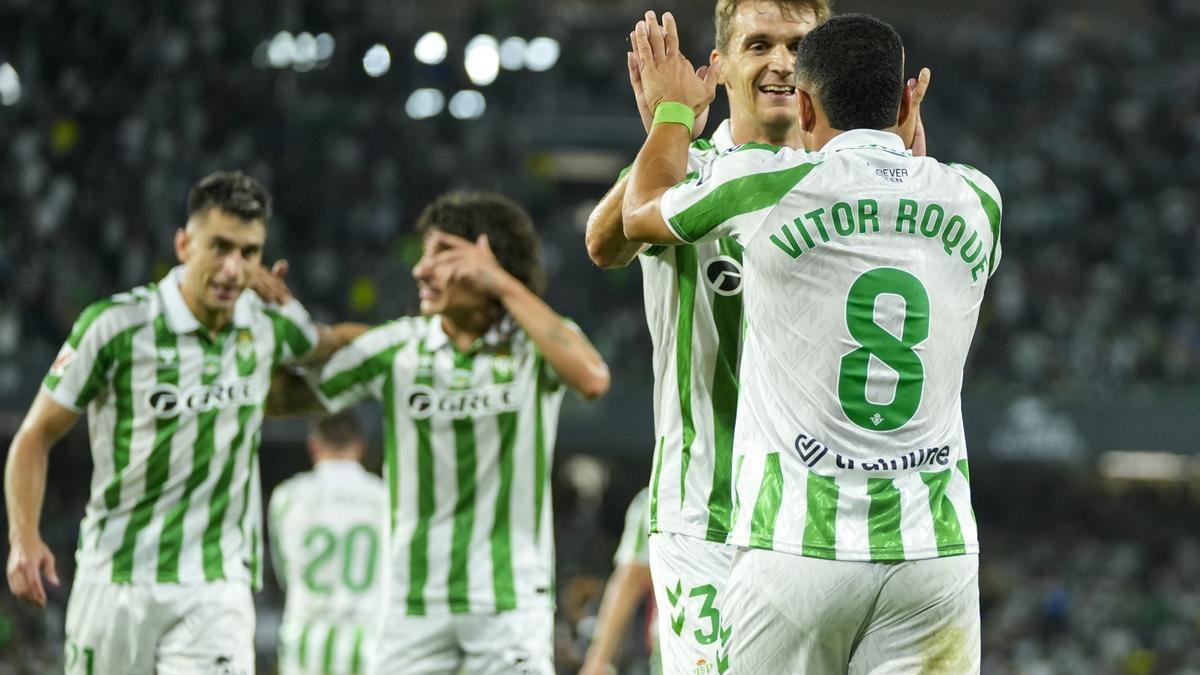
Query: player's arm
(626, 589)
(272, 288)
(667, 78)
(566, 349)
(607, 245)
(291, 396)
(24, 489)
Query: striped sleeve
(635, 539)
(295, 332)
(733, 193)
(276, 510)
(357, 371)
(84, 364)
(989, 201)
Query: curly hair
(791, 10)
(854, 63)
(508, 227)
(233, 192)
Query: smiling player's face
(758, 65)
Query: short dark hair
(792, 10)
(508, 227)
(234, 193)
(854, 64)
(338, 431)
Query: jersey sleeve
(276, 511)
(295, 332)
(731, 195)
(635, 539)
(990, 202)
(84, 364)
(357, 371)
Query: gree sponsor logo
(168, 400)
(424, 401)
(724, 275)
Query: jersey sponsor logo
(724, 275)
(811, 451)
(168, 401)
(892, 175)
(65, 356)
(424, 401)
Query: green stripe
(465, 459)
(203, 450)
(356, 652)
(502, 561)
(391, 449)
(745, 194)
(685, 280)
(158, 465)
(751, 145)
(371, 367)
(883, 520)
(287, 332)
(766, 506)
(122, 352)
(658, 456)
(727, 314)
(251, 478)
(418, 557)
(541, 465)
(820, 518)
(946, 529)
(965, 470)
(737, 501)
(653, 250)
(330, 645)
(992, 209)
(302, 657)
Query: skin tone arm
(272, 288)
(24, 488)
(625, 591)
(567, 351)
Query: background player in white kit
(327, 547)
(471, 391)
(694, 311)
(174, 377)
(866, 268)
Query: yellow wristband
(673, 112)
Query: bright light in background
(10, 85)
(512, 53)
(542, 54)
(467, 104)
(325, 47)
(377, 60)
(424, 103)
(482, 60)
(282, 50)
(305, 57)
(431, 48)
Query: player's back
(327, 535)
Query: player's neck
(820, 135)
(744, 129)
(465, 328)
(213, 320)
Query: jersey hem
(879, 555)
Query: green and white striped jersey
(174, 417)
(635, 538)
(693, 299)
(468, 444)
(865, 272)
(326, 530)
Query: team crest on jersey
(425, 365)
(723, 275)
(703, 667)
(245, 344)
(168, 357)
(502, 366)
(65, 356)
(212, 364)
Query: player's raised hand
(913, 130)
(665, 74)
(471, 263)
(27, 562)
(644, 111)
(270, 284)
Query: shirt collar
(338, 466)
(499, 333)
(179, 316)
(866, 138)
(722, 137)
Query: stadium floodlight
(305, 58)
(10, 84)
(325, 47)
(512, 53)
(282, 50)
(424, 103)
(467, 104)
(377, 60)
(482, 60)
(431, 48)
(542, 54)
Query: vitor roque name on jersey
(168, 400)
(424, 401)
(812, 451)
(845, 219)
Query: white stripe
(916, 520)
(853, 541)
(183, 451)
(958, 490)
(487, 488)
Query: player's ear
(713, 60)
(181, 244)
(808, 110)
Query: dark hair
(234, 193)
(792, 10)
(508, 227)
(338, 431)
(854, 64)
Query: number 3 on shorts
(875, 340)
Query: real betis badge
(245, 351)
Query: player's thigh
(420, 645)
(517, 642)
(926, 621)
(110, 628)
(213, 630)
(792, 614)
(690, 577)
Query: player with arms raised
(865, 269)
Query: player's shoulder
(394, 333)
(974, 177)
(120, 311)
